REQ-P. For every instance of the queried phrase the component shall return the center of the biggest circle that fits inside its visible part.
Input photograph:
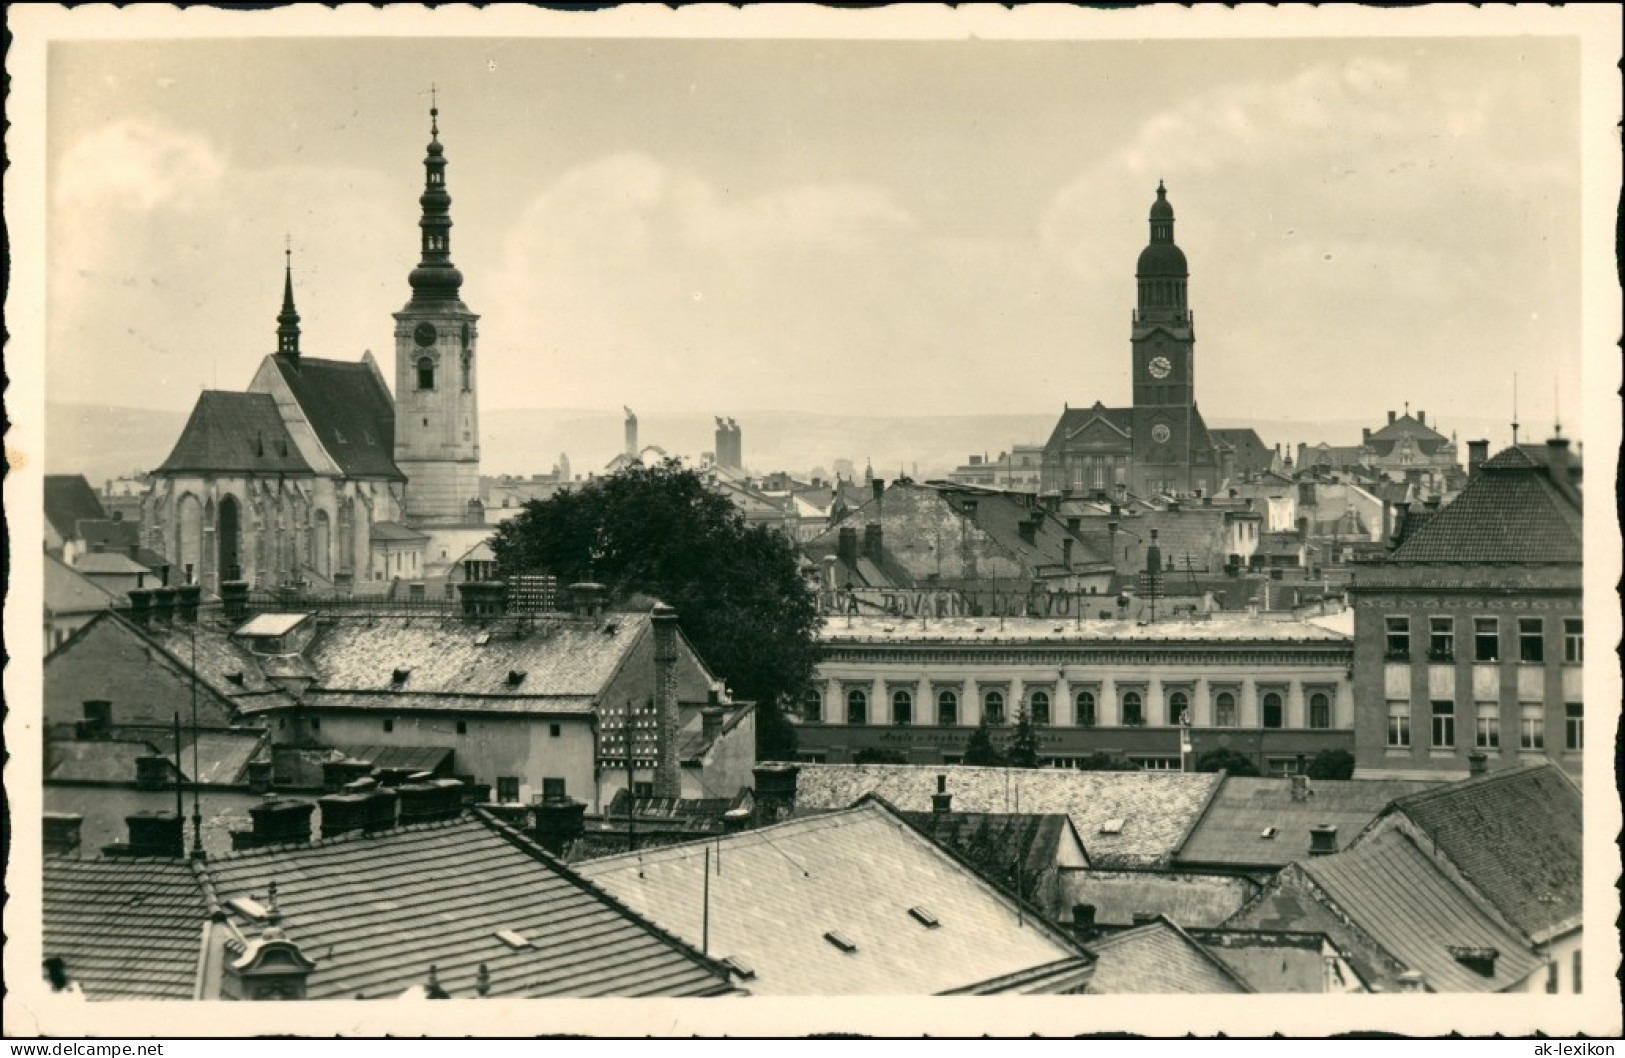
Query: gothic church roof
(235, 433)
(350, 410)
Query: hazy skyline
(851, 227)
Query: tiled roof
(1158, 958)
(351, 411)
(1238, 629)
(558, 656)
(69, 591)
(1395, 894)
(1156, 808)
(98, 760)
(1515, 835)
(692, 743)
(1014, 851)
(1232, 829)
(226, 665)
(1511, 512)
(1408, 425)
(125, 928)
(68, 500)
(1188, 899)
(222, 756)
(776, 892)
(108, 534)
(1074, 419)
(404, 701)
(235, 432)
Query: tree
(1331, 764)
(1023, 751)
(660, 531)
(1099, 761)
(979, 750)
(879, 756)
(1228, 761)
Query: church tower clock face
(1160, 367)
(425, 334)
(1160, 433)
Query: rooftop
(1016, 851)
(1189, 899)
(1159, 958)
(1512, 512)
(125, 928)
(68, 500)
(241, 432)
(1239, 628)
(350, 410)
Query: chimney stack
(187, 597)
(152, 772)
(261, 774)
(873, 541)
(560, 822)
(140, 606)
(425, 799)
(1422, 417)
(775, 790)
(343, 812)
(163, 607)
(1322, 840)
(337, 774)
(1477, 453)
(1300, 787)
(1066, 553)
(587, 600)
(1390, 418)
(62, 833)
(1074, 524)
(1558, 466)
(1478, 763)
(1144, 918)
(631, 433)
(234, 600)
(668, 782)
(942, 801)
(277, 821)
(154, 834)
(847, 545)
(879, 486)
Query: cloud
(136, 164)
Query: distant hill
(105, 442)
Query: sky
(844, 226)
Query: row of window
(1486, 639)
(1486, 725)
(508, 789)
(1272, 707)
(426, 372)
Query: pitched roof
(94, 760)
(235, 433)
(350, 410)
(1511, 512)
(396, 533)
(69, 499)
(1188, 899)
(125, 928)
(778, 895)
(109, 563)
(1407, 426)
(1014, 851)
(1282, 961)
(1515, 835)
(1156, 809)
(1159, 958)
(226, 665)
(69, 591)
(1395, 894)
(554, 656)
(1232, 830)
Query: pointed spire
(287, 321)
(435, 281)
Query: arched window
(1133, 709)
(857, 707)
(1086, 708)
(993, 707)
(1320, 710)
(468, 371)
(812, 706)
(902, 707)
(1038, 707)
(426, 373)
(1273, 711)
(1224, 710)
(1179, 704)
(947, 709)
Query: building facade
(1276, 691)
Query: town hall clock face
(425, 334)
(1160, 367)
(1160, 432)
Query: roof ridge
(348, 837)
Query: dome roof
(1162, 259)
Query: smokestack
(1477, 453)
(668, 782)
(1557, 464)
(942, 801)
(1300, 787)
(155, 834)
(879, 487)
(1422, 418)
(1083, 919)
(1322, 840)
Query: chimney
(186, 602)
(711, 718)
(482, 599)
(1479, 960)
(337, 774)
(1322, 840)
(343, 813)
(1422, 418)
(1558, 467)
(667, 782)
(277, 821)
(879, 486)
(829, 573)
(234, 600)
(1074, 524)
(847, 545)
(1478, 763)
(873, 541)
(426, 799)
(1390, 418)
(140, 606)
(1477, 453)
(98, 720)
(1153, 555)
(1303, 527)
(560, 822)
(260, 775)
(151, 772)
(62, 833)
(735, 819)
(942, 801)
(1365, 435)
(775, 790)
(587, 600)
(163, 606)
(1066, 553)
(1083, 920)
(1300, 787)
(156, 834)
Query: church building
(1160, 443)
(317, 475)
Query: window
(1441, 639)
(1574, 726)
(1531, 640)
(1487, 726)
(1574, 973)
(1574, 643)
(947, 708)
(1224, 710)
(1486, 639)
(1444, 724)
(1551, 978)
(1531, 726)
(507, 788)
(644, 789)
(315, 723)
(1038, 707)
(857, 707)
(1320, 710)
(1399, 638)
(462, 727)
(812, 706)
(1179, 708)
(902, 707)
(1273, 710)
(1133, 709)
(1399, 724)
(389, 723)
(553, 731)
(1086, 709)
(426, 373)
(552, 789)
(993, 707)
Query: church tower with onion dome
(437, 423)
(1163, 337)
